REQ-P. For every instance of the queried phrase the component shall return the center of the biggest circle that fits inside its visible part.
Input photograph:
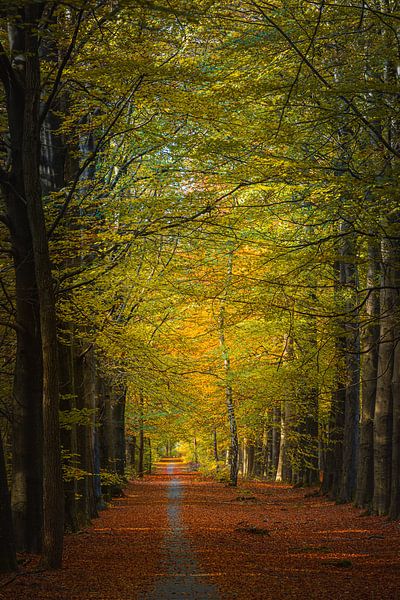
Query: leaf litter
(288, 544)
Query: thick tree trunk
(8, 561)
(369, 368)
(27, 467)
(383, 418)
(349, 279)
(394, 507)
(334, 452)
(27, 390)
(68, 435)
(250, 460)
(53, 509)
(85, 391)
(340, 459)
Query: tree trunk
(215, 446)
(53, 509)
(8, 561)
(27, 389)
(150, 458)
(383, 418)
(333, 461)
(68, 440)
(370, 345)
(141, 438)
(132, 453)
(352, 369)
(282, 447)
(275, 441)
(119, 425)
(394, 508)
(234, 441)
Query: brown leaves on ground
(114, 559)
(311, 548)
(280, 544)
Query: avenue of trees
(199, 250)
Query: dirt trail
(181, 577)
(175, 536)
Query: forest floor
(175, 535)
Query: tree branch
(67, 56)
(349, 103)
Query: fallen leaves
(314, 549)
(283, 545)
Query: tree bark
(8, 560)
(394, 507)
(141, 437)
(234, 441)
(352, 369)
(369, 373)
(53, 509)
(27, 388)
(383, 418)
(215, 446)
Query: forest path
(177, 536)
(182, 577)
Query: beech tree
(199, 210)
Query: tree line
(199, 242)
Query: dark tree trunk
(132, 452)
(149, 458)
(27, 390)
(119, 423)
(352, 370)
(394, 507)
(334, 450)
(250, 460)
(68, 435)
(215, 446)
(53, 509)
(8, 561)
(141, 437)
(383, 418)
(340, 459)
(27, 468)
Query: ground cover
(265, 541)
(258, 541)
(116, 558)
